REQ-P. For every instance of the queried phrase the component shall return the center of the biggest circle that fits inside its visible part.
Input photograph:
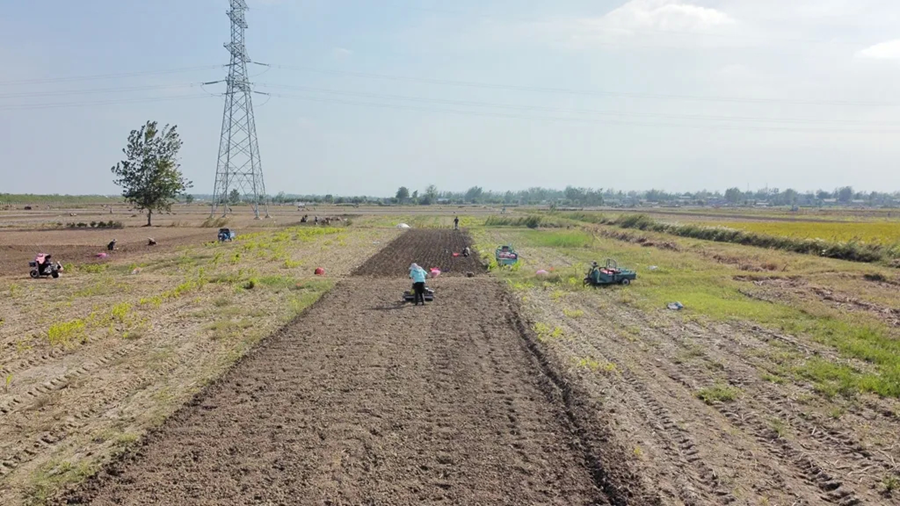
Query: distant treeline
(592, 197)
(569, 196)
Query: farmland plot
(93, 359)
(734, 399)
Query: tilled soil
(17, 248)
(427, 247)
(367, 401)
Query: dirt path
(363, 401)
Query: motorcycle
(42, 267)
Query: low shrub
(214, 222)
(531, 221)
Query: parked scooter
(42, 267)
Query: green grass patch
(557, 238)
(718, 393)
(854, 250)
(546, 333)
(92, 268)
(278, 283)
(54, 475)
(890, 484)
(773, 378)
(228, 328)
(573, 313)
(67, 333)
(105, 287)
(308, 294)
(291, 264)
(531, 221)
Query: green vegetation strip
(853, 250)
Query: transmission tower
(239, 167)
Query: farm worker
(595, 272)
(456, 222)
(418, 275)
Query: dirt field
(428, 248)
(382, 405)
(82, 246)
(93, 359)
(719, 410)
(777, 384)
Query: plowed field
(363, 401)
(78, 247)
(428, 248)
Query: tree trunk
(149, 216)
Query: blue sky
(680, 95)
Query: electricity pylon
(239, 167)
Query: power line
(717, 127)
(31, 94)
(629, 31)
(17, 107)
(468, 103)
(423, 80)
(53, 80)
(570, 91)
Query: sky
(366, 96)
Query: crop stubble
(765, 445)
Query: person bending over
(418, 275)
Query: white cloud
(642, 22)
(889, 50)
(663, 15)
(341, 53)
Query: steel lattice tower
(239, 167)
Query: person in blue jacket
(418, 275)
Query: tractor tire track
(744, 415)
